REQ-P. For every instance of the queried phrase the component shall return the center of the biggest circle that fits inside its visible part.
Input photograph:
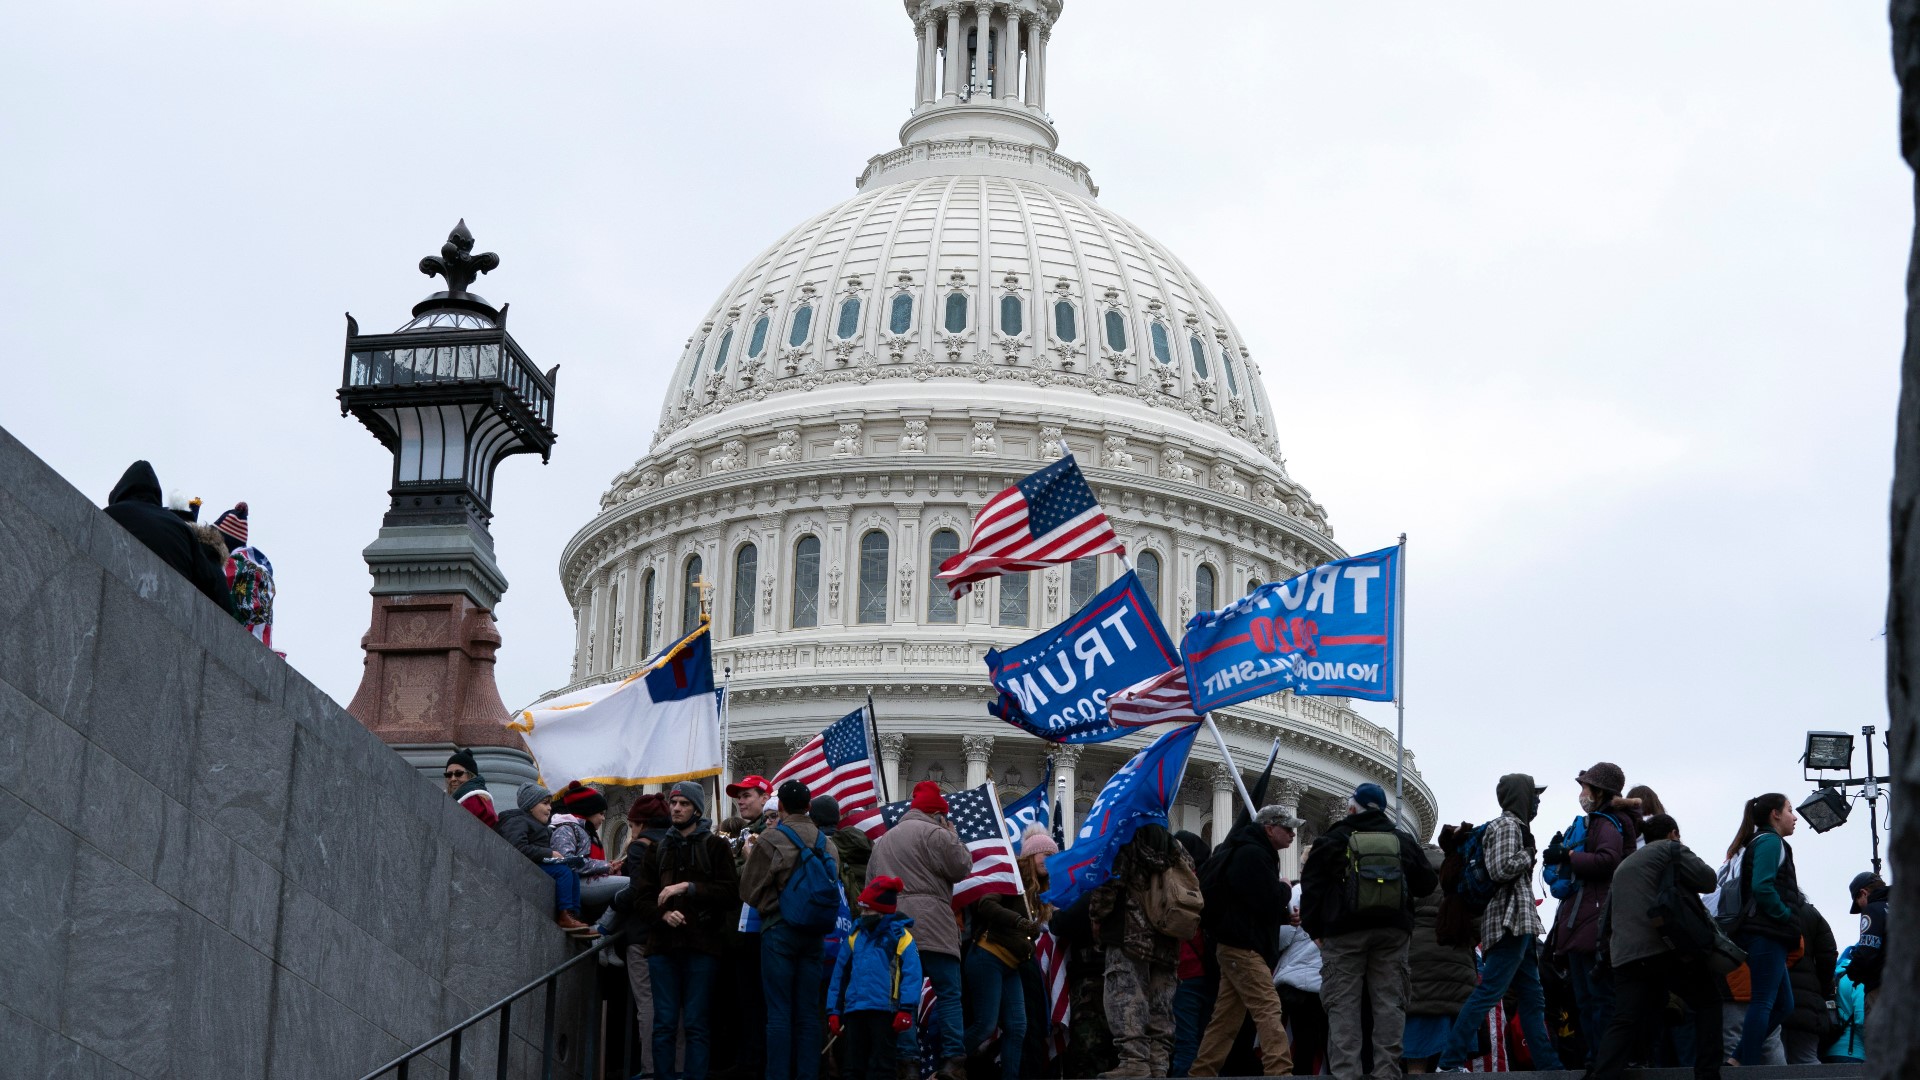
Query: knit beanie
(580, 800)
(795, 797)
(927, 798)
(234, 524)
(464, 758)
(1037, 841)
(649, 812)
(882, 894)
(825, 811)
(694, 792)
(531, 795)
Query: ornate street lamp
(451, 395)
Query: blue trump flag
(1055, 685)
(1329, 631)
(1137, 795)
(1028, 809)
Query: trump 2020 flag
(656, 726)
(1048, 518)
(1055, 685)
(1137, 795)
(1328, 631)
(1028, 809)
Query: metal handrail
(504, 1007)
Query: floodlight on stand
(1825, 809)
(1829, 750)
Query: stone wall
(207, 867)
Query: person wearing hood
(469, 788)
(876, 984)
(682, 897)
(135, 505)
(1440, 979)
(525, 827)
(1580, 866)
(1510, 932)
(1357, 891)
(1245, 905)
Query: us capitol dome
(862, 386)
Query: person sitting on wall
(135, 505)
(579, 813)
(526, 828)
(469, 788)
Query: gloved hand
(902, 1020)
(1556, 852)
(833, 1025)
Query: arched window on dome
(746, 575)
(1203, 588)
(900, 316)
(944, 544)
(757, 341)
(802, 326)
(1162, 351)
(1012, 315)
(849, 323)
(720, 354)
(690, 597)
(956, 320)
(646, 615)
(1227, 365)
(1066, 320)
(1199, 350)
(873, 577)
(806, 583)
(1146, 567)
(1116, 330)
(1016, 596)
(1083, 580)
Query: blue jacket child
(878, 970)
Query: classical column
(977, 748)
(1285, 794)
(893, 751)
(956, 52)
(1032, 96)
(1066, 762)
(982, 45)
(1040, 95)
(920, 62)
(927, 88)
(1221, 773)
(1010, 59)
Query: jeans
(566, 887)
(871, 1045)
(597, 892)
(950, 1008)
(1772, 1000)
(994, 996)
(1510, 963)
(1592, 998)
(790, 977)
(1192, 1005)
(682, 992)
(1642, 988)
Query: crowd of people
(809, 944)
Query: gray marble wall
(207, 868)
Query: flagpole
(879, 770)
(1226, 755)
(1400, 675)
(726, 745)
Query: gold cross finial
(705, 589)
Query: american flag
(839, 762)
(975, 814)
(927, 1031)
(1051, 957)
(1047, 519)
(1162, 699)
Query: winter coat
(1851, 1043)
(703, 861)
(135, 504)
(1298, 962)
(1576, 926)
(534, 840)
(474, 797)
(1812, 974)
(771, 864)
(1119, 919)
(1870, 953)
(1440, 978)
(1323, 881)
(1631, 934)
(878, 970)
(572, 839)
(1246, 902)
(1001, 921)
(930, 860)
(1772, 888)
(853, 850)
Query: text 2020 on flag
(1048, 518)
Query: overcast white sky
(1601, 305)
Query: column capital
(1221, 773)
(1067, 755)
(893, 745)
(795, 742)
(977, 748)
(1286, 792)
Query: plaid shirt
(1509, 857)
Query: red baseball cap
(750, 783)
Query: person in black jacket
(1870, 954)
(1245, 904)
(1812, 977)
(1363, 919)
(135, 504)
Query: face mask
(1586, 804)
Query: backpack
(1559, 877)
(1376, 884)
(1476, 886)
(1680, 919)
(1732, 905)
(810, 900)
(1172, 902)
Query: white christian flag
(656, 726)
